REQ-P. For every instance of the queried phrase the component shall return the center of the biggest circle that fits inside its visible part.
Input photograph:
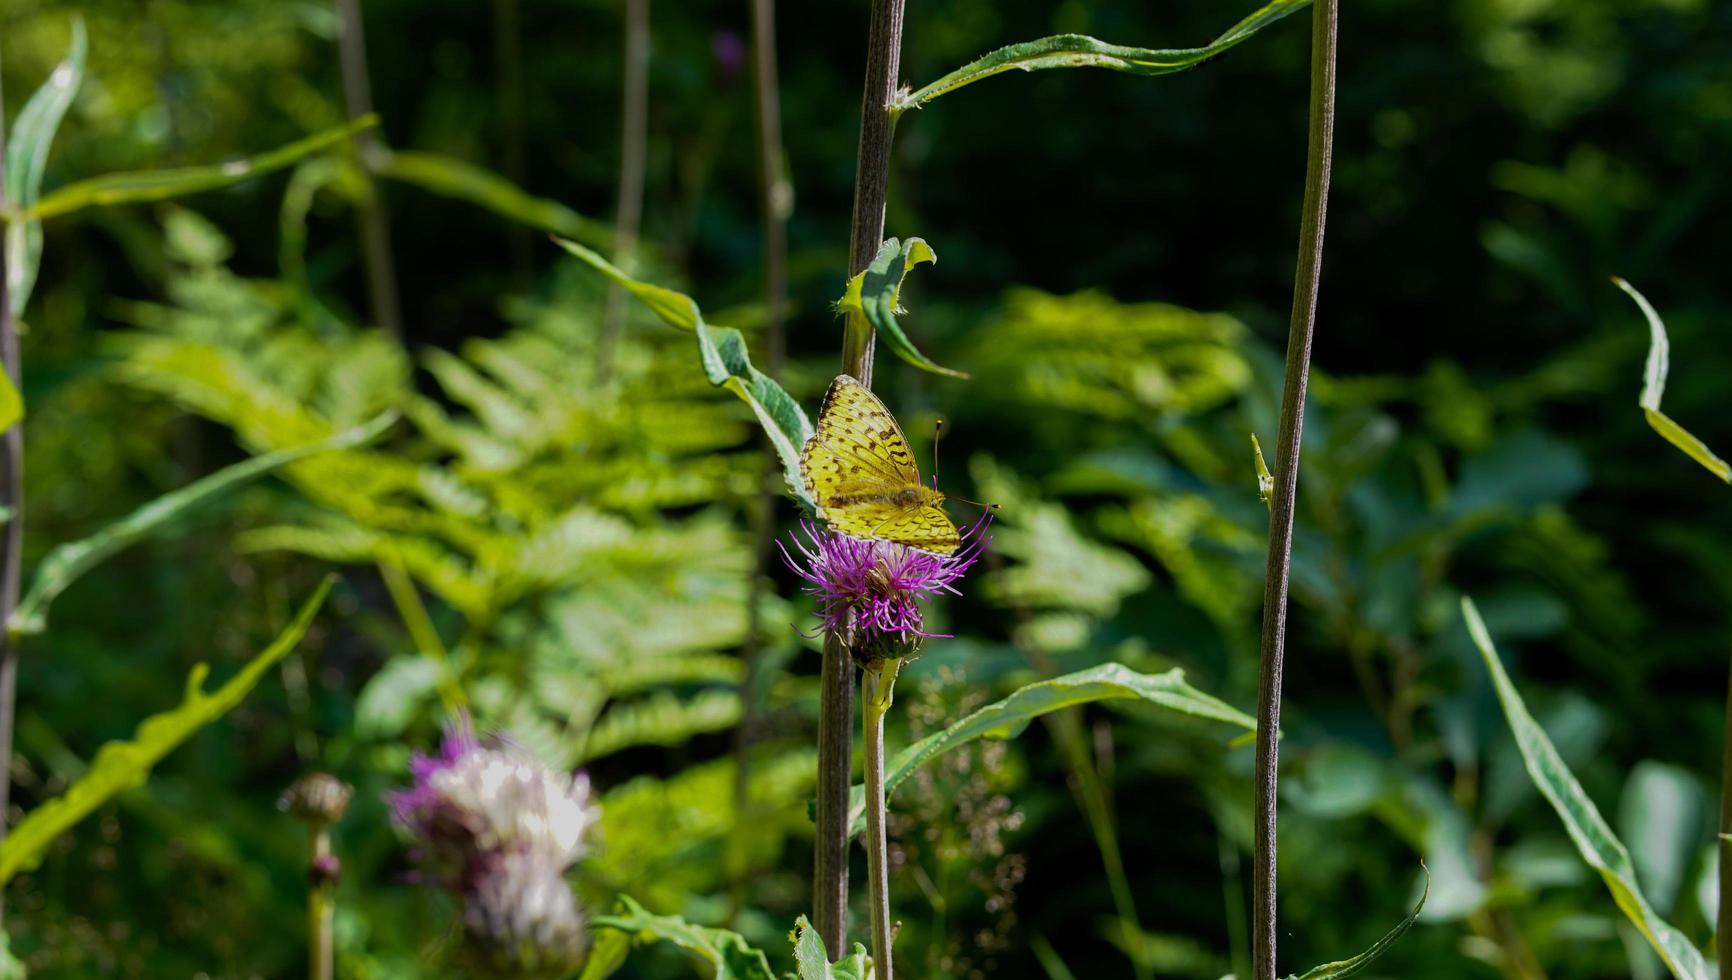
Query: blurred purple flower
(497, 826)
(872, 589)
(729, 51)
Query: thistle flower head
(495, 825)
(871, 590)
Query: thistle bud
(317, 798)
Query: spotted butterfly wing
(861, 473)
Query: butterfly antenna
(974, 503)
(937, 433)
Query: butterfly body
(861, 473)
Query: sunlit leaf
(1265, 479)
(1654, 387)
(159, 185)
(663, 719)
(726, 952)
(606, 955)
(1079, 51)
(1007, 718)
(460, 179)
(1348, 967)
(68, 561)
(27, 149)
(1593, 837)
(727, 364)
(11, 403)
(876, 295)
(812, 960)
(120, 766)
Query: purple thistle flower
(871, 589)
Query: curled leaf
(1654, 387)
(876, 295)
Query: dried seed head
(318, 798)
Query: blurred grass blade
(1007, 718)
(67, 562)
(1080, 51)
(812, 960)
(120, 766)
(451, 177)
(1593, 837)
(729, 954)
(606, 955)
(27, 160)
(727, 364)
(159, 185)
(1654, 387)
(1348, 967)
(876, 294)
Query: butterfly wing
(925, 526)
(857, 451)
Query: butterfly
(861, 473)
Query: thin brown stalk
(375, 223)
(11, 498)
(633, 152)
(1325, 14)
(836, 685)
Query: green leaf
(812, 960)
(727, 364)
(876, 292)
(27, 160)
(121, 766)
(159, 185)
(11, 403)
(1079, 51)
(606, 956)
(1654, 386)
(67, 562)
(1593, 837)
(1347, 968)
(1007, 718)
(731, 956)
(451, 177)
(1265, 479)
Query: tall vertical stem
(1723, 934)
(628, 210)
(321, 910)
(775, 200)
(875, 695)
(1317, 159)
(375, 224)
(836, 685)
(12, 498)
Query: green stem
(321, 911)
(12, 500)
(375, 223)
(1723, 932)
(422, 632)
(878, 683)
(1325, 14)
(633, 154)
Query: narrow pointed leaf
(1654, 388)
(1007, 718)
(160, 185)
(27, 160)
(812, 960)
(1593, 837)
(729, 955)
(460, 179)
(726, 363)
(1348, 967)
(120, 766)
(1080, 51)
(876, 295)
(67, 562)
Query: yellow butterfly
(862, 475)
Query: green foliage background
(574, 561)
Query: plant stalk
(876, 695)
(633, 152)
(321, 911)
(836, 685)
(375, 223)
(775, 200)
(12, 498)
(1319, 149)
(1723, 921)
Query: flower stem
(375, 223)
(1319, 149)
(628, 213)
(876, 688)
(1723, 932)
(12, 536)
(836, 685)
(321, 910)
